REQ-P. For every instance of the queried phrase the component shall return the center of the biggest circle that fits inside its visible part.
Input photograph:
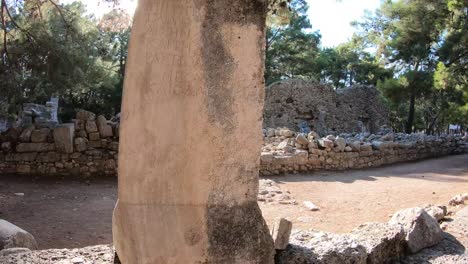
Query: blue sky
(331, 17)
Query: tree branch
(31, 36)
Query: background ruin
(292, 103)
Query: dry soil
(63, 212)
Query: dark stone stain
(218, 63)
(238, 233)
(192, 236)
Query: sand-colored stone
(191, 135)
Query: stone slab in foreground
(190, 135)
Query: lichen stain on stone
(238, 233)
(218, 63)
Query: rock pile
(288, 151)
(408, 232)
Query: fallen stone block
(438, 212)
(12, 236)
(421, 230)
(383, 241)
(311, 206)
(280, 232)
(458, 199)
(312, 247)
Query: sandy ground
(63, 212)
(347, 199)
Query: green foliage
(426, 43)
(291, 49)
(50, 49)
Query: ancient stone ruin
(191, 134)
(297, 104)
(40, 115)
(287, 151)
(88, 147)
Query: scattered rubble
(271, 193)
(458, 199)
(311, 206)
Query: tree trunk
(409, 123)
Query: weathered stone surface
(12, 236)
(437, 212)
(94, 136)
(6, 146)
(81, 144)
(188, 178)
(452, 249)
(85, 115)
(340, 144)
(63, 137)
(312, 247)
(325, 143)
(105, 129)
(458, 199)
(103, 254)
(40, 135)
(13, 251)
(421, 230)
(35, 147)
(301, 139)
(91, 127)
(25, 135)
(383, 241)
(290, 103)
(280, 231)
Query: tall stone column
(190, 135)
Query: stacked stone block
(286, 151)
(88, 146)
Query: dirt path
(72, 213)
(350, 198)
(60, 212)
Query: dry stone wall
(298, 103)
(286, 151)
(86, 147)
(89, 147)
